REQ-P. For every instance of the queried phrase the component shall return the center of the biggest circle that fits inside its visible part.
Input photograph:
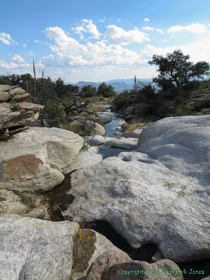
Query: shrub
(186, 109)
(55, 123)
(120, 100)
(14, 106)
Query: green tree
(88, 91)
(4, 80)
(105, 90)
(176, 71)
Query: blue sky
(100, 40)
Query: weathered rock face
(15, 115)
(93, 128)
(104, 261)
(164, 201)
(30, 206)
(35, 249)
(13, 93)
(28, 113)
(164, 270)
(36, 159)
(88, 248)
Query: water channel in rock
(59, 200)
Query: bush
(186, 109)
(120, 100)
(55, 123)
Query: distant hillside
(119, 84)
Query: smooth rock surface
(145, 202)
(105, 116)
(34, 249)
(36, 159)
(181, 144)
(124, 143)
(135, 133)
(93, 128)
(161, 270)
(86, 159)
(97, 140)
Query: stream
(59, 200)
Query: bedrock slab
(180, 143)
(37, 158)
(35, 249)
(145, 202)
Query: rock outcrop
(93, 128)
(160, 196)
(104, 261)
(121, 142)
(14, 111)
(181, 144)
(35, 249)
(36, 159)
(87, 249)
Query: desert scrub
(205, 111)
(83, 249)
(76, 128)
(27, 199)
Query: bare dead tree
(43, 70)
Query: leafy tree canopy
(105, 90)
(176, 71)
(88, 91)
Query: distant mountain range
(119, 84)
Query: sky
(100, 40)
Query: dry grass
(94, 109)
(132, 127)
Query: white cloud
(198, 50)
(5, 65)
(6, 39)
(102, 20)
(25, 46)
(146, 19)
(17, 58)
(148, 28)
(31, 53)
(159, 30)
(87, 27)
(194, 27)
(68, 52)
(118, 36)
(36, 41)
(119, 20)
